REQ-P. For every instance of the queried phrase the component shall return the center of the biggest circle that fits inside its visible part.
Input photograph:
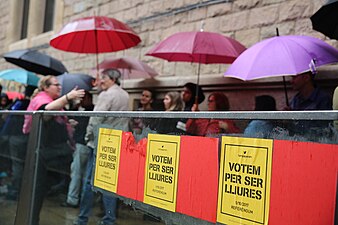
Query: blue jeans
(77, 173)
(87, 198)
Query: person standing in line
(189, 95)
(137, 125)
(217, 101)
(55, 153)
(147, 98)
(172, 102)
(308, 97)
(261, 128)
(112, 98)
(17, 141)
(80, 156)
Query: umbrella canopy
(69, 81)
(20, 76)
(325, 20)
(14, 95)
(95, 34)
(198, 47)
(130, 68)
(36, 62)
(282, 55)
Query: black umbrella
(325, 20)
(35, 61)
(69, 81)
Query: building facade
(32, 23)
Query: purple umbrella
(281, 56)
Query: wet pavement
(54, 214)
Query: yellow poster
(107, 159)
(244, 181)
(162, 161)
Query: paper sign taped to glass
(244, 181)
(162, 162)
(107, 159)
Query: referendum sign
(107, 159)
(162, 161)
(244, 181)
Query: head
(302, 81)
(265, 103)
(4, 100)
(109, 77)
(217, 101)
(50, 85)
(87, 100)
(189, 93)
(172, 101)
(147, 98)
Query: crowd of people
(68, 143)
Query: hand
(223, 125)
(76, 94)
(194, 108)
(73, 122)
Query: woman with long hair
(217, 101)
(141, 126)
(172, 102)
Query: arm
(60, 103)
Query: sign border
(266, 174)
(147, 163)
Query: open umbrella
(20, 76)
(95, 34)
(130, 68)
(325, 20)
(35, 61)
(198, 47)
(69, 81)
(282, 55)
(14, 95)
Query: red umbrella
(198, 47)
(14, 95)
(130, 68)
(95, 34)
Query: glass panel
(49, 15)
(12, 160)
(62, 162)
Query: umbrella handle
(286, 92)
(196, 102)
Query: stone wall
(247, 21)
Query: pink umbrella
(198, 47)
(282, 55)
(130, 68)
